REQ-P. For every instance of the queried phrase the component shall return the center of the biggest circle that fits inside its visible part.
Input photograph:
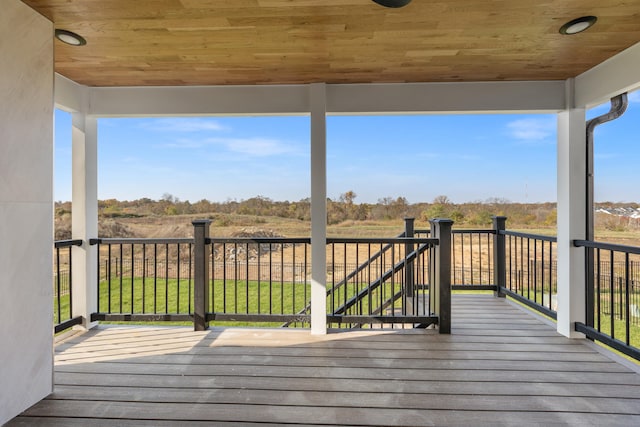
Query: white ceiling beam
(199, 100)
(462, 97)
(616, 75)
(391, 98)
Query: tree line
(344, 208)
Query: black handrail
(265, 240)
(542, 237)
(607, 246)
(462, 231)
(67, 243)
(474, 231)
(139, 241)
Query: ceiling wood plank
(216, 42)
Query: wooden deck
(500, 366)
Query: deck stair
(385, 310)
(351, 275)
(379, 281)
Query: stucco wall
(26, 212)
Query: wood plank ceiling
(218, 42)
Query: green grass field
(235, 297)
(171, 296)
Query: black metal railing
(531, 270)
(62, 286)
(144, 279)
(613, 296)
(471, 258)
(390, 285)
(259, 280)
(348, 269)
(265, 280)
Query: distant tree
(351, 210)
(457, 216)
(551, 218)
(481, 217)
(441, 200)
(400, 207)
(385, 201)
(203, 206)
(497, 201)
(348, 197)
(440, 208)
(336, 212)
(361, 212)
(434, 211)
(384, 208)
(168, 197)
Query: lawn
(171, 296)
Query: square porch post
(499, 256)
(318, 108)
(84, 216)
(440, 291)
(201, 274)
(572, 191)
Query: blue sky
(465, 157)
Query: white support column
(572, 192)
(84, 215)
(318, 209)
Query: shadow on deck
(500, 366)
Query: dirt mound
(248, 251)
(253, 232)
(109, 228)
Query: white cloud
(258, 147)
(532, 129)
(254, 147)
(187, 143)
(185, 124)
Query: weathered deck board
(499, 366)
(285, 414)
(355, 386)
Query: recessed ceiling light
(392, 3)
(578, 25)
(69, 37)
